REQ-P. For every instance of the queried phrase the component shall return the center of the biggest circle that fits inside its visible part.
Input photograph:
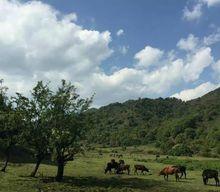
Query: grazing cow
(182, 170)
(111, 165)
(169, 170)
(123, 167)
(141, 168)
(208, 174)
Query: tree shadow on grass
(104, 184)
(90, 182)
(180, 181)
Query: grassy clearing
(86, 173)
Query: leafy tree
(181, 149)
(36, 114)
(11, 123)
(67, 124)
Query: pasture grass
(86, 173)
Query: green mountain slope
(175, 126)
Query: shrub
(181, 149)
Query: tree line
(49, 123)
(174, 126)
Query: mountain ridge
(168, 123)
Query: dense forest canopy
(177, 127)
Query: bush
(181, 149)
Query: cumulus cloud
(197, 63)
(162, 79)
(188, 44)
(120, 32)
(34, 34)
(194, 13)
(133, 83)
(196, 92)
(148, 56)
(38, 42)
(197, 10)
(213, 38)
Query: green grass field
(86, 173)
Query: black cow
(111, 165)
(182, 170)
(209, 174)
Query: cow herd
(120, 167)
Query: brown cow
(170, 170)
(123, 167)
(141, 168)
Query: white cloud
(212, 39)
(161, 80)
(120, 32)
(131, 83)
(148, 56)
(33, 35)
(216, 67)
(38, 42)
(123, 84)
(188, 44)
(197, 63)
(194, 13)
(70, 17)
(197, 10)
(123, 49)
(211, 3)
(199, 91)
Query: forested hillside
(177, 127)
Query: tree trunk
(60, 170)
(39, 159)
(7, 154)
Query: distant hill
(177, 127)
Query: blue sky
(155, 22)
(125, 49)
